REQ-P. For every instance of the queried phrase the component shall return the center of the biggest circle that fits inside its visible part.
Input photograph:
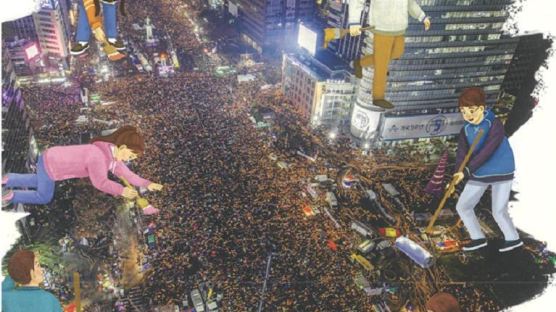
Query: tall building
(520, 81)
(347, 48)
(22, 28)
(465, 47)
(531, 52)
(264, 24)
(19, 148)
(320, 86)
(52, 27)
(49, 27)
(24, 56)
(65, 8)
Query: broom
(111, 52)
(338, 33)
(452, 184)
(148, 209)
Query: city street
(258, 211)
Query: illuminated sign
(424, 126)
(307, 39)
(48, 4)
(364, 122)
(31, 51)
(232, 8)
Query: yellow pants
(94, 21)
(386, 48)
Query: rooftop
(323, 65)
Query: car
(366, 246)
(197, 300)
(331, 200)
(212, 306)
(362, 229)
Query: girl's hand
(154, 187)
(129, 192)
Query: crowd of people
(226, 206)
(226, 202)
(227, 210)
(78, 225)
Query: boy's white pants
(470, 197)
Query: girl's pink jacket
(89, 160)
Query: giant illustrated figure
(21, 290)
(388, 20)
(90, 19)
(105, 154)
(491, 165)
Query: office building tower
(465, 47)
(347, 48)
(520, 82)
(19, 148)
(264, 24)
(21, 28)
(531, 52)
(320, 86)
(52, 30)
(24, 56)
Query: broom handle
(362, 28)
(452, 184)
(125, 182)
(129, 185)
(77, 291)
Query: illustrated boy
(389, 19)
(90, 19)
(21, 291)
(491, 164)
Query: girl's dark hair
(20, 265)
(126, 135)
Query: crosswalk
(134, 300)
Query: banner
(424, 126)
(364, 122)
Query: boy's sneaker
(117, 43)
(383, 103)
(7, 196)
(79, 48)
(475, 244)
(510, 245)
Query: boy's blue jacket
(26, 299)
(493, 158)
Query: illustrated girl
(104, 154)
